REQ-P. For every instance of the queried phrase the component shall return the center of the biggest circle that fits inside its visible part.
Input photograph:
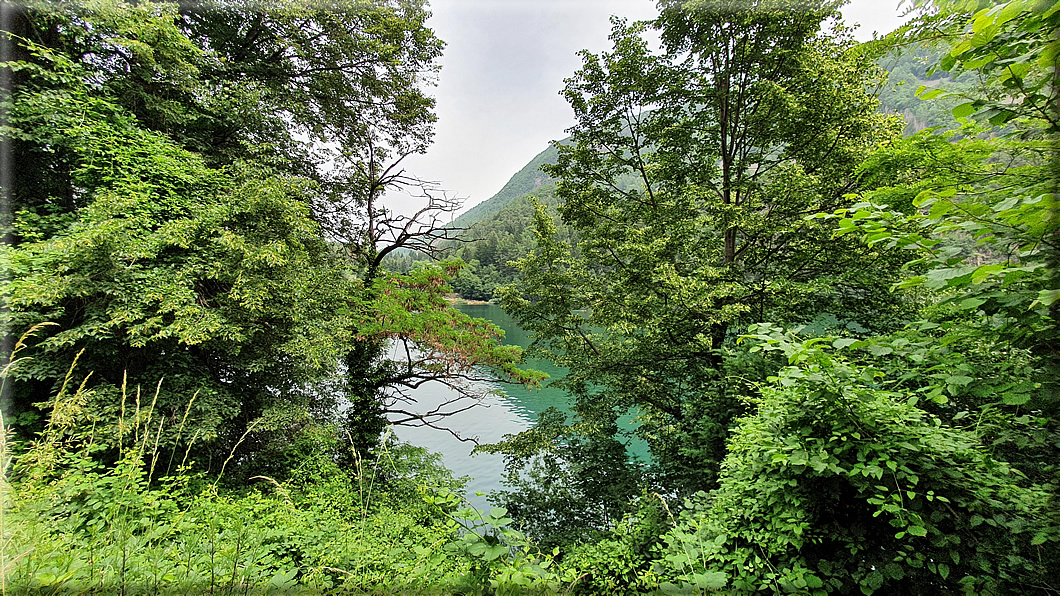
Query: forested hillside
(838, 336)
(494, 242)
(526, 181)
(494, 232)
(909, 68)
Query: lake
(512, 409)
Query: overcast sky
(503, 68)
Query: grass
(86, 508)
(73, 521)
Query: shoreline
(455, 299)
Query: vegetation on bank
(841, 342)
(77, 522)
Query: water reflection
(507, 409)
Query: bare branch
(416, 417)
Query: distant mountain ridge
(525, 181)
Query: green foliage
(72, 524)
(498, 241)
(984, 241)
(621, 561)
(275, 541)
(930, 464)
(502, 560)
(164, 267)
(566, 484)
(171, 220)
(712, 236)
(529, 180)
(907, 460)
(173, 212)
(835, 485)
(982, 238)
(348, 73)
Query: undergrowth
(86, 510)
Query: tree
(173, 218)
(688, 180)
(842, 455)
(351, 77)
(156, 266)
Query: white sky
(502, 71)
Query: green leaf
(710, 580)
(961, 47)
(1001, 117)
(878, 350)
(284, 580)
(894, 571)
(843, 342)
(1014, 398)
(965, 109)
(917, 530)
(1005, 205)
(940, 208)
(1046, 297)
(930, 94)
(672, 588)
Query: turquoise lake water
(512, 409)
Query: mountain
(524, 182)
(502, 235)
(496, 231)
(908, 69)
